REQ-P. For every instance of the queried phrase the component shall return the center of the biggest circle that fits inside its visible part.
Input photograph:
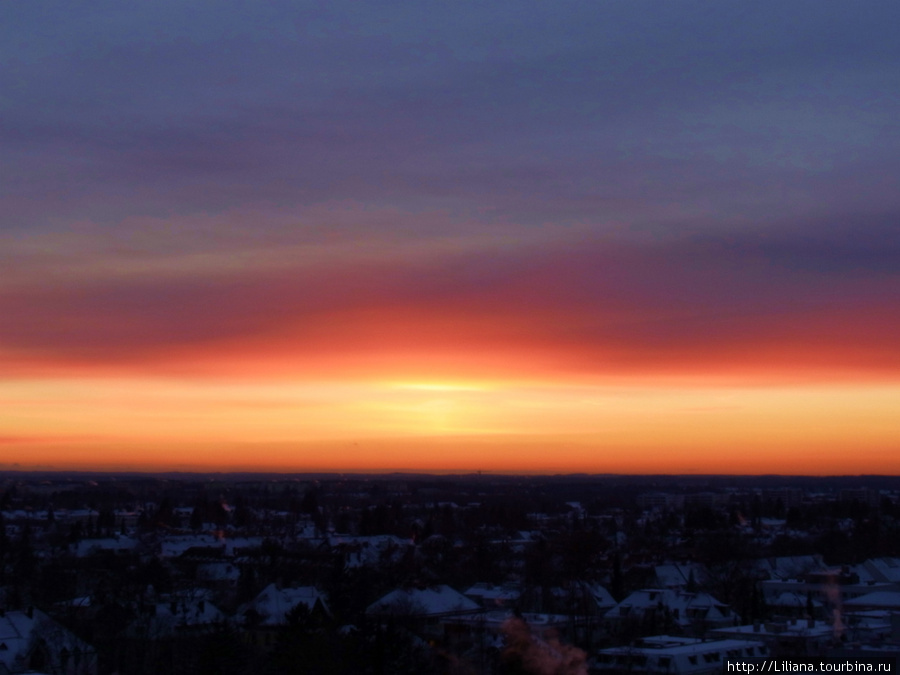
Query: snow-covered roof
(879, 599)
(15, 630)
(119, 543)
(489, 594)
(20, 630)
(81, 602)
(431, 601)
(235, 544)
(273, 604)
(684, 606)
(790, 567)
(665, 653)
(218, 571)
(879, 569)
(796, 629)
(791, 600)
(602, 597)
(174, 546)
(678, 575)
(368, 551)
(187, 611)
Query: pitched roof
(788, 599)
(489, 594)
(881, 569)
(430, 601)
(684, 605)
(880, 599)
(678, 575)
(664, 653)
(273, 604)
(790, 567)
(18, 631)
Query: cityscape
(410, 573)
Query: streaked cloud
(460, 199)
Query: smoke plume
(540, 654)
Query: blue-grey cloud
(530, 112)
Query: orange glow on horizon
(453, 425)
(593, 358)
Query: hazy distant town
(470, 574)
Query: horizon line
(436, 473)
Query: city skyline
(604, 238)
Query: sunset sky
(613, 236)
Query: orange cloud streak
(595, 357)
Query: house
(788, 567)
(368, 551)
(577, 597)
(221, 574)
(689, 612)
(681, 576)
(879, 570)
(796, 605)
(668, 654)
(793, 638)
(603, 599)
(32, 641)
(424, 608)
(877, 600)
(494, 597)
(831, 587)
(178, 615)
(174, 546)
(274, 608)
(116, 544)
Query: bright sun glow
(425, 425)
(439, 386)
